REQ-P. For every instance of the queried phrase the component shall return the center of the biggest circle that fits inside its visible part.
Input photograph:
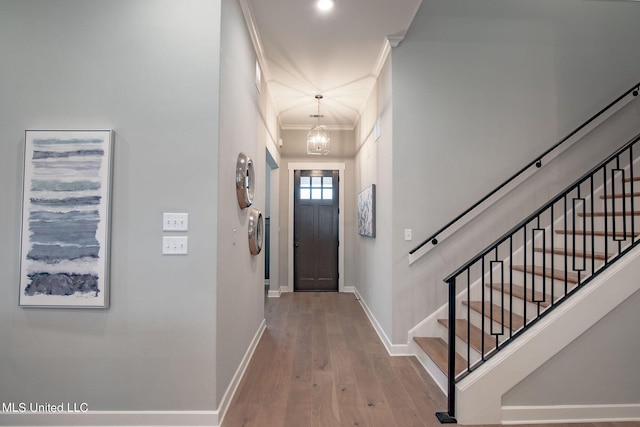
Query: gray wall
(149, 69)
(605, 355)
(374, 166)
(480, 87)
(294, 144)
(240, 281)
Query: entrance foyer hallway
(320, 363)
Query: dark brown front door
(316, 231)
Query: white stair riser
(572, 263)
(436, 373)
(519, 305)
(597, 242)
(618, 221)
(550, 286)
(477, 319)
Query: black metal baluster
(553, 257)
(492, 261)
(482, 314)
(501, 294)
(524, 269)
(579, 201)
(616, 171)
(535, 231)
(511, 282)
(633, 211)
(469, 318)
(566, 261)
(449, 417)
(593, 228)
(606, 222)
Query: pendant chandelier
(318, 138)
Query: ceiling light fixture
(325, 5)
(318, 138)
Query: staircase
(505, 290)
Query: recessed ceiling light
(325, 5)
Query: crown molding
(255, 37)
(247, 12)
(396, 39)
(307, 127)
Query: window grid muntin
(316, 188)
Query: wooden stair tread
(518, 291)
(568, 252)
(635, 178)
(620, 196)
(518, 321)
(438, 351)
(475, 332)
(547, 272)
(602, 214)
(601, 233)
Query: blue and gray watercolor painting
(64, 217)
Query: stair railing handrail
(528, 219)
(448, 417)
(537, 162)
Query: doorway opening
(293, 167)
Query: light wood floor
(320, 364)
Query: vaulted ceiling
(338, 54)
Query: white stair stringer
(479, 395)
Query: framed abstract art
(65, 218)
(367, 211)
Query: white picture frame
(367, 211)
(66, 218)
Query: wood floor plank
(396, 396)
(299, 404)
(287, 382)
(423, 392)
(325, 411)
(350, 412)
(374, 406)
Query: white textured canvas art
(367, 211)
(65, 218)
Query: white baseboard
(392, 349)
(114, 418)
(139, 418)
(235, 381)
(274, 294)
(285, 289)
(570, 414)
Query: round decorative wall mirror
(245, 180)
(256, 225)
